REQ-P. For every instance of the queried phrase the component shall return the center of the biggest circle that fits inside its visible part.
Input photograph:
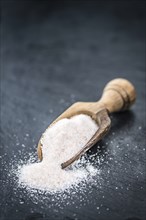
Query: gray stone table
(54, 53)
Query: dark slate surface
(53, 54)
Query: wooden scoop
(118, 95)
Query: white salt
(59, 143)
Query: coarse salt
(59, 143)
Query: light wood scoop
(118, 95)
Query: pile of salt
(60, 142)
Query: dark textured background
(53, 54)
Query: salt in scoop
(118, 95)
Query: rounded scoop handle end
(118, 95)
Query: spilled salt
(59, 143)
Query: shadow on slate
(122, 120)
(34, 216)
(119, 121)
(133, 218)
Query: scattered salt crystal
(92, 170)
(21, 202)
(59, 143)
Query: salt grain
(59, 143)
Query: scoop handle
(118, 95)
